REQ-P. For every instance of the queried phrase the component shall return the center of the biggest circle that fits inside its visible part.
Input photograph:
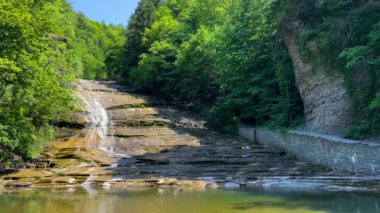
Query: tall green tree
(140, 20)
(90, 43)
(44, 46)
(224, 55)
(257, 84)
(33, 72)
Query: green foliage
(353, 56)
(140, 20)
(257, 79)
(34, 67)
(196, 79)
(92, 44)
(155, 66)
(223, 56)
(347, 34)
(44, 45)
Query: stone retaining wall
(325, 150)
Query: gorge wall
(326, 102)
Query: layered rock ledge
(129, 140)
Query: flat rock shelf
(130, 140)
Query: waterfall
(102, 126)
(100, 122)
(89, 181)
(101, 119)
(87, 185)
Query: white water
(102, 127)
(89, 181)
(100, 117)
(87, 185)
(100, 123)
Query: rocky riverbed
(130, 140)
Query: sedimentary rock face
(327, 104)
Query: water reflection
(285, 204)
(174, 201)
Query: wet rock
(129, 106)
(29, 174)
(206, 178)
(143, 122)
(135, 145)
(58, 180)
(19, 184)
(211, 185)
(231, 185)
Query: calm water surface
(174, 201)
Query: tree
(217, 54)
(44, 46)
(34, 70)
(346, 33)
(140, 20)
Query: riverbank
(131, 141)
(357, 157)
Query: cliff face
(327, 104)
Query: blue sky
(110, 11)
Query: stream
(176, 201)
(140, 154)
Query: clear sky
(109, 11)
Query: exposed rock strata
(183, 155)
(327, 104)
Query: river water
(132, 142)
(175, 201)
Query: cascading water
(102, 127)
(101, 119)
(100, 123)
(89, 181)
